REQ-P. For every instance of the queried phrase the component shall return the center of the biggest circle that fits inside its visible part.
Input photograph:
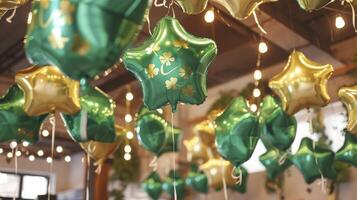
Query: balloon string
(53, 123)
(153, 164)
(353, 14)
(283, 157)
(174, 156)
(162, 4)
(224, 181)
(99, 169)
(239, 178)
(16, 167)
(88, 175)
(9, 19)
(149, 24)
(258, 23)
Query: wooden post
(101, 183)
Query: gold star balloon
(197, 151)
(205, 130)
(192, 7)
(310, 5)
(6, 5)
(217, 169)
(48, 90)
(241, 9)
(348, 96)
(302, 83)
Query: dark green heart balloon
(95, 121)
(310, 5)
(172, 65)
(152, 185)
(273, 164)
(155, 133)
(314, 163)
(280, 128)
(82, 37)
(197, 180)
(14, 122)
(174, 179)
(241, 187)
(237, 132)
(348, 152)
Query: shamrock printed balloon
(48, 90)
(155, 133)
(314, 161)
(174, 180)
(302, 83)
(310, 5)
(348, 152)
(63, 33)
(95, 120)
(280, 128)
(348, 96)
(172, 65)
(15, 123)
(152, 185)
(274, 163)
(241, 185)
(197, 180)
(237, 132)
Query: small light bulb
(31, 158)
(25, 143)
(59, 149)
(213, 171)
(256, 92)
(40, 153)
(339, 22)
(257, 75)
(18, 153)
(49, 160)
(127, 148)
(45, 133)
(263, 47)
(13, 145)
(253, 107)
(128, 118)
(127, 156)
(129, 135)
(209, 16)
(10, 155)
(67, 159)
(129, 96)
(1, 150)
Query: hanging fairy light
(129, 96)
(130, 135)
(13, 144)
(339, 22)
(25, 143)
(49, 160)
(59, 149)
(128, 118)
(127, 148)
(253, 107)
(18, 153)
(263, 47)
(258, 75)
(40, 153)
(1, 150)
(256, 92)
(9, 155)
(31, 158)
(67, 159)
(45, 133)
(127, 156)
(209, 16)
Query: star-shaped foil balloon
(274, 163)
(171, 65)
(173, 183)
(193, 7)
(15, 123)
(237, 132)
(241, 9)
(348, 96)
(197, 151)
(310, 5)
(217, 169)
(348, 152)
(48, 90)
(197, 180)
(302, 83)
(153, 185)
(314, 161)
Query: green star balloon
(271, 162)
(197, 180)
(237, 132)
(280, 128)
(82, 37)
(152, 186)
(172, 65)
(174, 179)
(241, 186)
(314, 163)
(155, 133)
(348, 152)
(15, 123)
(95, 121)
(310, 5)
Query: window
(22, 186)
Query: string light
(256, 92)
(18, 153)
(9, 155)
(213, 171)
(263, 47)
(1, 150)
(209, 16)
(40, 153)
(13, 145)
(127, 148)
(253, 107)
(49, 160)
(128, 118)
(127, 156)
(67, 159)
(339, 22)
(31, 158)
(129, 135)
(129, 96)
(59, 149)
(257, 75)
(45, 133)
(25, 143)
